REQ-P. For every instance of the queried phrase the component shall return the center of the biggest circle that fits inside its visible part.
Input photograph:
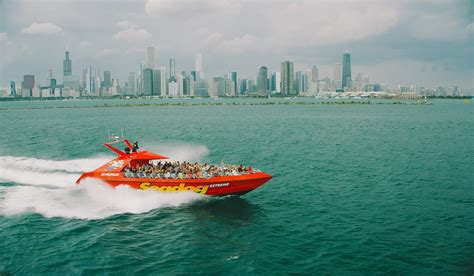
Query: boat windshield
(185, 170)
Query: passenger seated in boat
(185, 170)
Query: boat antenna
(112, 136)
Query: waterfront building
(276, 82)
(313, 80)
(262, 79)
(147, 82)
(287, 78)
(337, 76)
(12, 89)
(299, 82)
(201, 88)
(173, 88)
(107, 79)
(131, 87)
(346, 71)
(156, 83)
(67, 65)
(97, 85)
(172, 70)
(27, 85)
(150, 58)
(198, 67)
(242, 86)
(163, 82)
(218, 86)
(233, 77)
(89, 80)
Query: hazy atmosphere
(424, 42)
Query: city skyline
(161, 82)
(431, 45)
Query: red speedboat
(123, 171)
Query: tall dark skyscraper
(262, 79)
(346, 70)
(157, 83)
(27, 84)
(148, 82)
(107, 79)
(287, 78)
(233, 77)
(67, 65)
(12, 88)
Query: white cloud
(42, 29)
(108, 52)
(238, 45)
(10, 51)
(125, 24)
(3, 37)
(84, 44)
(131, 32)
(188, 7)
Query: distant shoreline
(30, 99)
(189, 104)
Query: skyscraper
(131, 84)
(150, 58)
(201, 88)
(157, 82)
(314, 74)
(287, 78)
(67, 65)
(12, 89)
(262, 79)
(147, 82)
(346, 70)
(337, 76)
(198, 67)
(276, 82)
(299, 82)
(89, 80)
(172, 69)
(233, 78)
(107, 79)
(313, 82)
(27, 85)
(163, 82)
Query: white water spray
(47, 187)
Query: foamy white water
(47, 187)
(90, 200)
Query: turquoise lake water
(357, 189)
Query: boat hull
(215, 186)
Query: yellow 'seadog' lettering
(201, 189)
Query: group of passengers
(185, 170)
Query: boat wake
(47, 187)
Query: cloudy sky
(407, 41)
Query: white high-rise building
(198, 67)
(163, 81)
(338, 76)
(89, 79)
(97, 84)
(173, 89)
(131, 84)
(150, 58)
(180, 79)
